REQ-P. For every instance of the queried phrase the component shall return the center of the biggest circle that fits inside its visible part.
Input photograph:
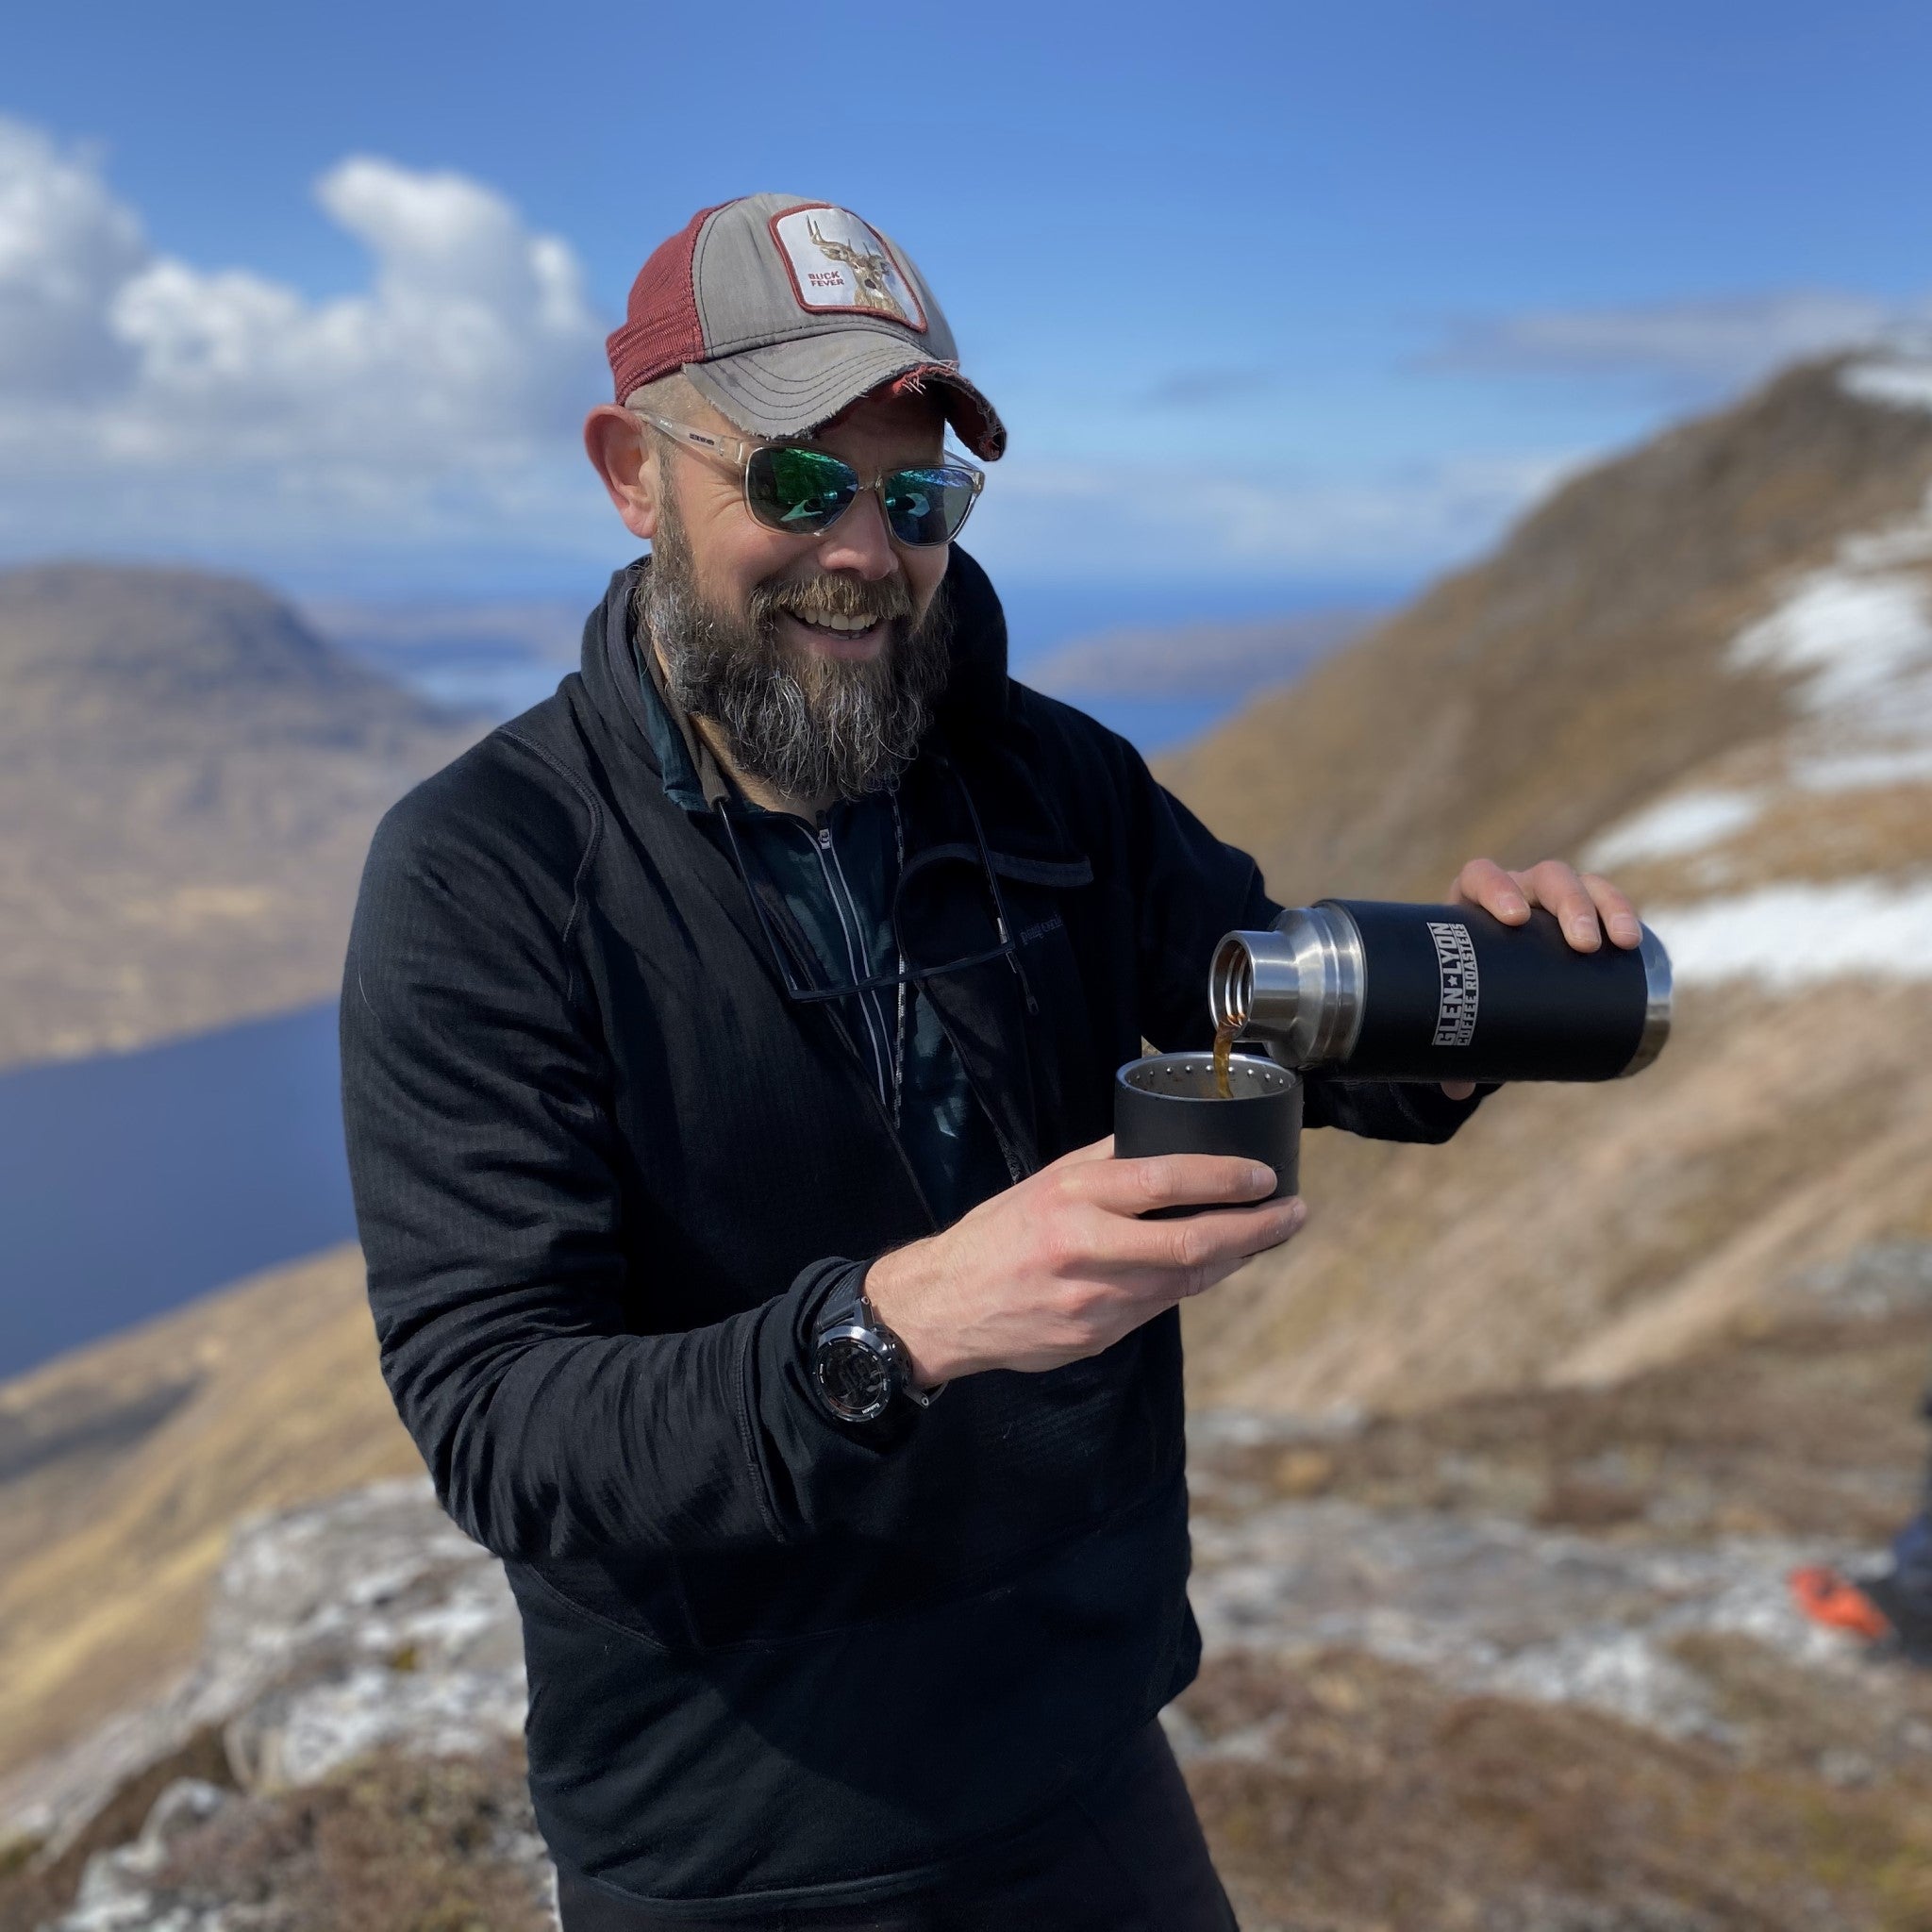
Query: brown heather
(1525, 703)
(1515, 712)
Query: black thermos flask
(1365, 990)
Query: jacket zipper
(890, 1068)
(821, 840)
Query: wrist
(900, 1286)
(859, 1369)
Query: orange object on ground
(1837, 1602)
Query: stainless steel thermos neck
(1371, 990)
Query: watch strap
(849, 1306)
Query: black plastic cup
(1168, 1105)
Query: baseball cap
(783, 311)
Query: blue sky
(1278, 303)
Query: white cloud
(1684, 345)
(66, 245)
(148, 400)
(1164, 521)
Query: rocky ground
(1523, 1665)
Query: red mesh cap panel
(660, 331)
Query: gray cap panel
(747, 280)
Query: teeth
(841, 623)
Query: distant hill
(188, 776)
(1197, 660)
(401, 634)
(1706, 666)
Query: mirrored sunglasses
(803, 491)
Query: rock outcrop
(1462, 1679)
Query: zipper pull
(824, 838)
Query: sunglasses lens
(927, 506)
(802, 491)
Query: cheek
(924, 570)
(735, 556)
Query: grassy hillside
(1708, 668)
(1520, 706)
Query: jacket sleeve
(1193, 889)
(477, 1105)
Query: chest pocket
(1071, 1074)
(1018, 1020)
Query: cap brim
(790, 389)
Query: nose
(860, 540)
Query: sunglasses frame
(736, 455)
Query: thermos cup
(1364, 989)
(1168, 1105)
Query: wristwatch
(858, 1364)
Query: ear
(625, 459)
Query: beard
(808, 726)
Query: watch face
(852, 1377)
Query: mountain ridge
(1711, 660)
(1645, 567)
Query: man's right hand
(1059, 1267)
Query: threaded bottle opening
(1231, 982)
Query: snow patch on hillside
(1904, 382)
(1686, 823)
(1785, 937)
(1693, 822)
(1863, 771)
(1851, 635)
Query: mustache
(821, 597)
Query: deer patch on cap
(841, 264)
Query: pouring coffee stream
(1224, 1054)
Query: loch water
(131, 1182)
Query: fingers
(1483, 882)
(1175, 1180)
(1554, 887)
(1616, 911)
(1586, 904)
(1201, 1245)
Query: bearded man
(727, 1050)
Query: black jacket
(606, 1174)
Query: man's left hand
(1586, 904)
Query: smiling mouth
(836, 626)
(841, 637)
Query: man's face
(819, 658)
(733, 555)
